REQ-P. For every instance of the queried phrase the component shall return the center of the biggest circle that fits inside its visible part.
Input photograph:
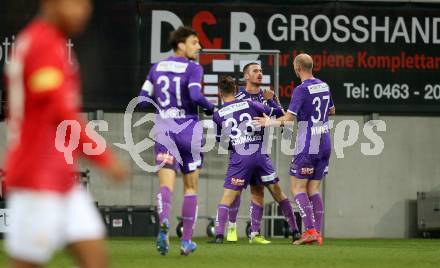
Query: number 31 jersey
(175, 86)
(310, 103)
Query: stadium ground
(138, 252)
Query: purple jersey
(234, 120)
(246, 164)
(310, 103)
(242, 94)
(175, 85)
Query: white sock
(232, 225)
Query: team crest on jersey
(237, 181)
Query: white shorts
(43, 222)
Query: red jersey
(43, 90)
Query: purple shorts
(243, 170)
(310, 166)
(181, 149)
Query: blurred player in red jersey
(48, 209)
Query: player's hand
(118, 170)
(277, 100)
(262, 121)
(268, 94)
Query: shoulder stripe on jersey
(148, 87)
(172, 66)
(195, 85)
(291, 112)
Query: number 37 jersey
(310, 103)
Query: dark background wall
(115, 51)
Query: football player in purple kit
(174, 84)
(311, 104)
(253, 75)
(247, 159)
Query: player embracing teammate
(248, 160)
(311, 104)
(252, 91)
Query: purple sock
(305, 209)
(286, 207)
(318, 210)
(233, 209)
(220, 220)
(164, 197)
(256, 212)
(189, 215)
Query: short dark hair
(180, 35)
(246, 67)
(226, 85)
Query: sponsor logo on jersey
(237, 181)
(318, 88)
(172, 66)
(167, 158)
(233, 108)
(307, 171)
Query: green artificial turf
(140, 252)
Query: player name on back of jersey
(322, 129)
(318, 88)
(233, 108)
(246, 139)
(172, 113)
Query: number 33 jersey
(234, 121)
